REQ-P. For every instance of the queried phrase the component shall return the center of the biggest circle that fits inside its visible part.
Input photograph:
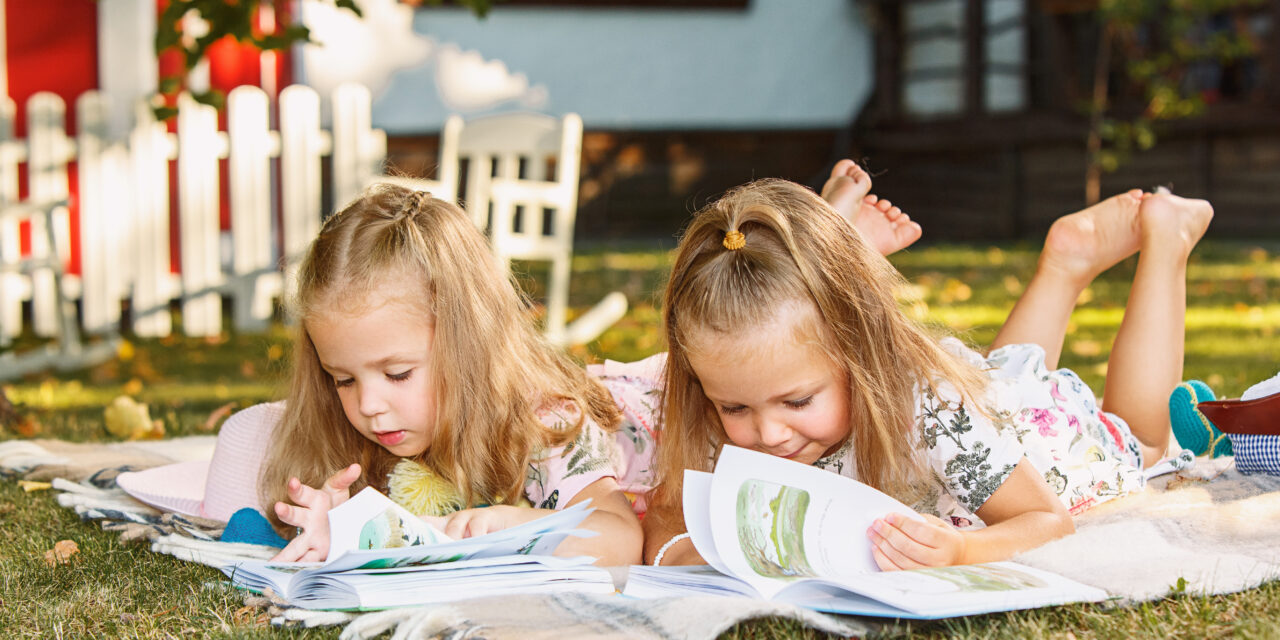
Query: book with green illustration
(382, 556)
(775, 529)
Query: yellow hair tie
(734, 240)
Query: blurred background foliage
(1233, 322)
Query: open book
(382, 556)
(776, 529)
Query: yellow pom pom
(418, 489)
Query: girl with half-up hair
(418, 370)
(784, 336)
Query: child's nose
(773, 432)
(371, 402)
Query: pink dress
(557, 475)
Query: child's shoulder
(652, 368)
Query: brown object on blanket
(1260, 416)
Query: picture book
(779, 530)
(382, 556)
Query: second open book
(776, 529)
(382, 556)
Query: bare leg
(1078, 247)
(885, 227)
(1146, 359)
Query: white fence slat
(47, 182)
(358, 150)
(14, 287)
(249, 131)
(123, 189)
(99, 266)
(302, 144)
(199, 148)
(150, 150)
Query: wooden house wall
(642, 186)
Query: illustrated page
(776, 521)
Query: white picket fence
(123, 189)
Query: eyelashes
(801, 403)
(394, 377)
(791, 404)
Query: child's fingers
(338, 486)
(456, 524)
(927, 533)
(343, 479)
(885, 541)
(287, 515)
(937, 543)
(292, 552)
(882, 560)
(871, 199)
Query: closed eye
(801, 403)
(344, 382)
(400, 377)
(732, 411)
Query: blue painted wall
(777, 64)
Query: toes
(871, 199)
(845, 168)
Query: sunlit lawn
(1232, 320)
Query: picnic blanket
(1209, 526)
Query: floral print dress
(1051, 417)
(626, 455)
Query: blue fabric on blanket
(249, 526)
(1256, 453)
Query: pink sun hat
(220, 486)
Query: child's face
(773, 393)
(379, 363)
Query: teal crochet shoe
(1192, 429)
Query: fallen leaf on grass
(248, 616)
(28, 427)
(129, 419)
(61, 552)
(218, 415)
(32, 485)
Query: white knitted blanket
(1211, 527)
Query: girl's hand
(899, 542)
(469, 523)
(311, 515)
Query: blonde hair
(494, 370)
(794, 248)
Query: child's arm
(660, 529)
(310, 513)
(619, 542)
(1022, 514)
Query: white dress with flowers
(1050, 417)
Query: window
(960, 57)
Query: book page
(776, 521)
(370, 520)
(697, 517)
(939, 592)
(536, 537)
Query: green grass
(113, 589)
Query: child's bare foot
(883, 225)
(1173, 222)
(1083, 244)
